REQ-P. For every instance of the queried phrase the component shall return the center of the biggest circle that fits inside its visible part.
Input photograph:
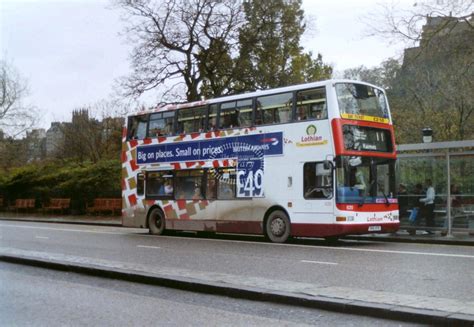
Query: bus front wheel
(156, 221)
(277, 227)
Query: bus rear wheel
(277, 227)
(156, 222)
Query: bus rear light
(340, 218)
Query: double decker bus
(310, 160)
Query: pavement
(388, 305)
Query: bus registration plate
(375, 228)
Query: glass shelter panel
(413, 174)
(462, 191)
(415, 170)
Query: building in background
(36, 144)
(54, 138)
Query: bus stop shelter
(450, 167)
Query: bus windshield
(365, 180)
(360, 99)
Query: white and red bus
(310, 160)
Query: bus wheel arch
(156, 220)
(277, 225)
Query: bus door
(315, 203)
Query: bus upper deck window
(228, 115)
(212, 125)
(137, 127)
(273, 109)
(245, 112)
(311, 104)
(192, 120)
(161, 124)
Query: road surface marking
(42, 237)
(319, 262)
(148, 247)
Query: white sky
(70, 51)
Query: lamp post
(427, 133)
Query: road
(41, 297)
(350, 267)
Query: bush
(80, 182)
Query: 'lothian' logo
(311, 138)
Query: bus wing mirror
(323, 170)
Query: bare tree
(434, 85)
(436, 81)
(15, 115)
(173, 40)
(383, 75)
(393, 24)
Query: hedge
(81, 182)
